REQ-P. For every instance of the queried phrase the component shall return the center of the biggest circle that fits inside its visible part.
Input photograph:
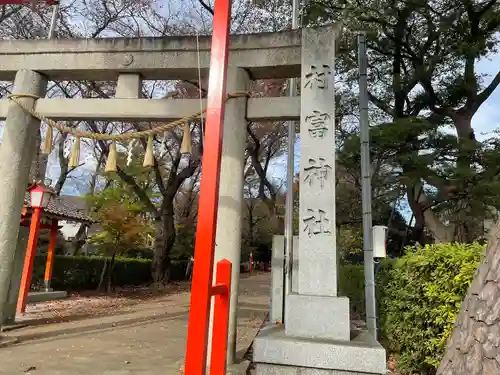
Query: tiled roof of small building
(65, 207)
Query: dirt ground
(133, 332)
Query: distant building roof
(65, 207)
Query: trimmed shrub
(351, 285)
(422, 297)
(76, 273)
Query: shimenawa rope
(111, 162)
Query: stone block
(277, 293)
(360, 355)
(45, 296)
(266, 369)
(318, 317)
(129, 86)
(295, 265)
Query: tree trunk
(466, 224)
(442, 233)
(164, 240)
(111, 268)
(103, 275)
(39, 164)
(474, 347)
(79, 240)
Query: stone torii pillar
(316, 337)
(229, 219)
(16, 154)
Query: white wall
(69, 229)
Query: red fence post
(201, 287)
(49, 265)
(222, 295)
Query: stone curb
(12, 327)
(6, 341)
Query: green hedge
(83, 273)
(419, 296)
(352, 284)
(423, 293)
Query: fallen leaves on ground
(90, 303)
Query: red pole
(197, 338)
(29, 259)
(50, 255)
(221, 318)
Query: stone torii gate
(316, 335)
(30, 64)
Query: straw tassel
(186, 145)
(74, 159)
(47, 146)
(149, 159)
(111, 162)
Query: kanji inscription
(318, 124)
(317, 170)
(316, 222)
(318, 77)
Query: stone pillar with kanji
(317, 269)
(317, 337)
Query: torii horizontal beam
(259, 109)
(265, 55)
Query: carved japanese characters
(316, 222)
(318, 77)
(316, 172)
(318, 124)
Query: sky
(487, 118)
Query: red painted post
(197, 338)
(221, 318)
(29, 259)
(49, 265)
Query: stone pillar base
(52, 295)
(276, 353)
(266, 369)
(317, 317)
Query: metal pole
(53, 21)
(288, 251)
(366, 199)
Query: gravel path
(145, 336)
